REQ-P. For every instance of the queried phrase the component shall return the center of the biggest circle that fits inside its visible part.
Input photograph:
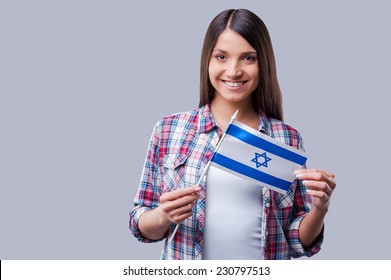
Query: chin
(236, 99)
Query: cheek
(214, 70)
(255, 76)
(211, 72)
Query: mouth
(234, 84)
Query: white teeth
(233, 84)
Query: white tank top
(232, 217)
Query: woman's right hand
(177, 205)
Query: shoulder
(177, 125)
(286, 133)
(182, 119)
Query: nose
(233, 70)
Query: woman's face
(233, 68)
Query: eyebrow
(244, 53)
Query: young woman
(227, 217)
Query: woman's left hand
(320, 184)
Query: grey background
(83, 83)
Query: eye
(250, 58)
(220, 57)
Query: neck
(223, 110)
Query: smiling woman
(225, 217)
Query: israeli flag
(257, 157)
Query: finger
(319, 194)
(320, 177)
(170, 205)
(178, 193)
(319, 186)
(316, 176)
(182, 217)
(180, 211)
(325, 172)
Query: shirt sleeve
(149, 190)
(302, 205)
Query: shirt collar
(207, 123)
(264, 123)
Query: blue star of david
(265, 159)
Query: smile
(233, 84)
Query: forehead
(231, 41)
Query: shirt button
(267, 204)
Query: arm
(149, 190)
(154, 212)
(305, 231)
(320, 184)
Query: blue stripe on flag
(251, 172)
(265, 145)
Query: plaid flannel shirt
(179, 150)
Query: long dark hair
(267, 96)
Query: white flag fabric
(258, 158)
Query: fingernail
(197, 189)
(299, 175)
